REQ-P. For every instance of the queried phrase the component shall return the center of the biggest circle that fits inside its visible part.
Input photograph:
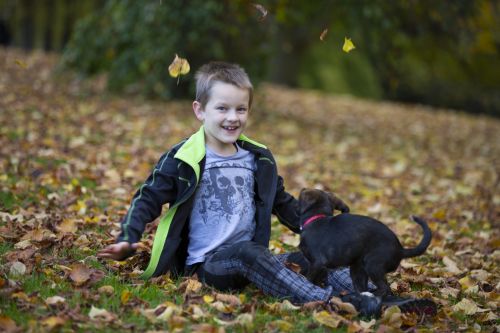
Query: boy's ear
(198, 111)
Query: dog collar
(311, 220)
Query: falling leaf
(328, 319)
(208, 299)
(323, 35)
(262, 10)
(348, 45)
(178, 67)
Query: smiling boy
(222, 188)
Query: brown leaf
(80, 274)
(8, 325)
(226, 298)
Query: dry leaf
(344, 306)
(328, 319)
(231, 299)
(392, 317)
(125, 296)
(323, 35)
(7, 325)
(17, 269)
(178, 67)
(451, 266)
(262, 10)
(468, 307)
(101, 315)
(54, 300)
(348, 45)
(107, 290)
(80, 274)
(53, 322)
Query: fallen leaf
(348, 45)
(53, 322)
(101, 315)
(230, 299)
(344, 306)
(468, 307)
(80, 274)
(392, 317)
(108, 290)
(7, 325)
(328, 319)
(451, 266)
(17, 269)
(125, 296)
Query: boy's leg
(233, 267)
(338, 279)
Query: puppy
(368, 247)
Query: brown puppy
(367, 246)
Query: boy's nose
(232, 115)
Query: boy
(222, 188)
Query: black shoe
(411, 305)
(367, 304)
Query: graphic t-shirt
(224, 207)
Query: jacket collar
(193, 150)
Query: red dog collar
(312, 219)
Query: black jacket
(174, 181)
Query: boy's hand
(118, 251)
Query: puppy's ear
(306, 200)
(337, 203)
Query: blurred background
(440, 53)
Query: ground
(73, 155)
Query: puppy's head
(316, 201)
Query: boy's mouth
(230, 128)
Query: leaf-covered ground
(72, 157)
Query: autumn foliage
(72, 157)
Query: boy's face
(224, 116)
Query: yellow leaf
(208, 299)
(392, 317)
(21, 64)
(52, 322)
(125, 296)
(179, 66)
(451, 266)
(101, 315)
(348, 45)
(468, 307)
(328, 319)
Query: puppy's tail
(424, 243)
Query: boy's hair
(223, 72)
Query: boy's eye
(221, 108)
(242, 110)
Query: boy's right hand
(118, 251)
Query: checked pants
(239, 264)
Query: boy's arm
(286, 207)
(146, 205)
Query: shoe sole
(418, 306)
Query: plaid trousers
(239, 264)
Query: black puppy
(362, 243)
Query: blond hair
(220, 71)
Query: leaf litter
(72, 157)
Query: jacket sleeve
(158, 189)
(286, 207)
